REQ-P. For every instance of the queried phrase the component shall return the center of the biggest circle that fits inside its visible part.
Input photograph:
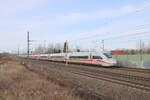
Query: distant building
(117, 52)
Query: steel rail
(113, 80)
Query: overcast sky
(81, 22)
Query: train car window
(107, 55)
(43, 56)
(57, 56)
(78, 57)
(97, 57)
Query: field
(136, 60)
(18, 83)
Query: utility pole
(18, 51)
(28, 46)
(66, 47)
(44, 44)
(141, 51)
(103, 45)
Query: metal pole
(66, 53)
(141, 52)
(44, 42)
(103, 45)
(18, 52)
(28, 46)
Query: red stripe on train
(80, 60)
(105, 62)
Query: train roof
(77, 53)
(71, 53)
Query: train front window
(107, 55)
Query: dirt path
(18, 83)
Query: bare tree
(59, 48)
(39, 50)
(50, 48)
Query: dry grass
(17, 83)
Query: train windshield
(107, 55)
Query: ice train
(95, 58)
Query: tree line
(56, 48)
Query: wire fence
(137, 60)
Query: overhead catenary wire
(111, 38)
(129, 41)
(136, 11)
(105, 34)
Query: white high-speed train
(96, 58)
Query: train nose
(113, 62)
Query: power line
(137, 10)
(122, 36)
(97, 35)
(128, 41)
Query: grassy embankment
(17, 83)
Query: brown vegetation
(17, 83)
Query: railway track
(114, 80)
(132, 81)
(137, 82)
(147, 71)
(117, 74)
(129, 80)
(126, 80)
